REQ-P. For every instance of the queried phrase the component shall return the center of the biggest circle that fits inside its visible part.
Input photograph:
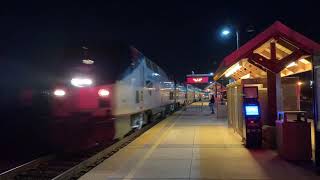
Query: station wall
(235, 99)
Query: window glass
(148, 64)
(137, 97)
(155, 68)
(171, 96)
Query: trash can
(294, 137)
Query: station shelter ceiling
(278, 49)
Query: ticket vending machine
(252, 115)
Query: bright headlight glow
(81, 82)
(103, 92)
(59, 92)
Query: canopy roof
(292, 52)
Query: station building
(269, 61)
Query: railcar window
(137, 97)
(155, 68)
(148, 64)
(171, 96)
(149, 85)
(141, 95)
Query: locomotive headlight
(103, 93)
(81, 82)
(59, 92)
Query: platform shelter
(266, 61)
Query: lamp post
(227, 32)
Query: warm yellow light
(299, 83)
(292, 64)
(304, 61)
(233, 69)
(247, 76)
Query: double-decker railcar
(180, 95)
(198, 94)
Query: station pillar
(316, 105)
(275, 103)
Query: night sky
(180, 36)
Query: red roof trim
(274, 30)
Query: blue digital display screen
(252, 110)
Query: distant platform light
(87, 61)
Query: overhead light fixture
(292, 64)
(247, 76)
(304, 61)
(87, 61)
(233, 69)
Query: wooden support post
(273, 51)
(274, 96)
(274, 90)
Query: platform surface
(194, 144)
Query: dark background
(180, 36)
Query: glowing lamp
(292, 64)
(225, 32)
(87, 61)
(81, 82)
(233, 69)
(59, 92)
(247, 76)
(103, 93)
(299, 83)
(304, 61)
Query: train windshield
(111, 63)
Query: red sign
(195, 80)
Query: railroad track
(68, 166)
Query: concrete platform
(194, 144)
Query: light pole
(227, 32)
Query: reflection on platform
(194, 144)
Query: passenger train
(97, 102)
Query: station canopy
(278, 49)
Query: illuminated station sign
(198, 78)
